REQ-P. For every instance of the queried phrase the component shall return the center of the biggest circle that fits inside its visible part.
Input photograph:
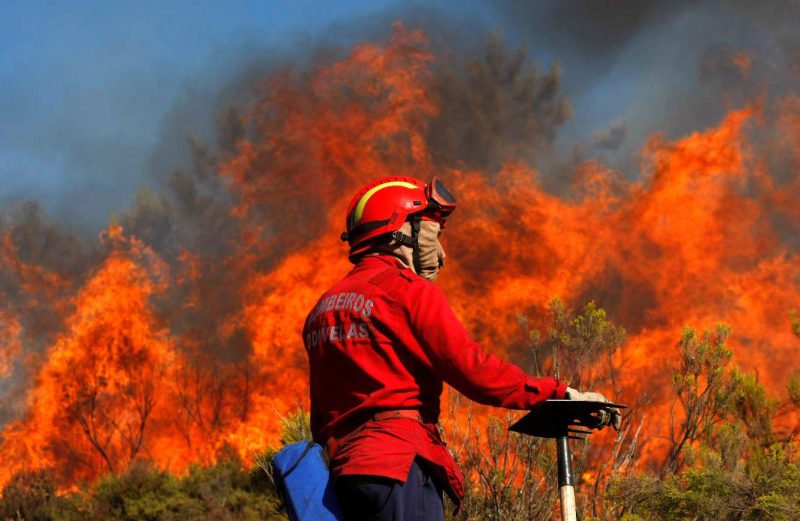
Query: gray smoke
(657, 66)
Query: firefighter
(381, 343)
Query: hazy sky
(85, 85)
(87, 88)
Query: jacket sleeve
(461, 362)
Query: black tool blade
(553, 418)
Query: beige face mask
(431, 253)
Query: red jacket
(384, 338)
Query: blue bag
(303, 477)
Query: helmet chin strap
(411, 240)
(416, 219)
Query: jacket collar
(381, 258)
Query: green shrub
(764, 486)
(31, 495)
(220, 492)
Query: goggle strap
(402, 238)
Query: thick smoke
(594, 34)
(657, 66)
(41, 265)
(495, 108)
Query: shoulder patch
(407, 274)
(393, 281)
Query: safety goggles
(440, 199)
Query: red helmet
(383, 206)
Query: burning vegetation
(175, 341)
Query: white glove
(610, 416)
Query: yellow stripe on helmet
(364, 198)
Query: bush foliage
(221, 492)
(725, 459)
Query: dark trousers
(372, 498)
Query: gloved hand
(610, 416)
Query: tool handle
(566, 480)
